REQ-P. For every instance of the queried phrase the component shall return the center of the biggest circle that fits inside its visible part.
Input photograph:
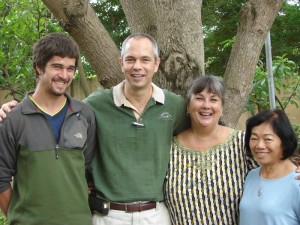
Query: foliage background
(23, 22)
(3, 220)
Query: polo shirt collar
(120, 99)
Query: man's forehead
(142, 49)
(61, 60)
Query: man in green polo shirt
(136, 121)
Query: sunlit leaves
(113, 19)
(22, 23)
(286, 81)
(3, 220)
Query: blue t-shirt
(270, 201)
(56, 121)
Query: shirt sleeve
(182, 120)
(8, 156)
(92, 142)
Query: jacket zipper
(56, 151)
(61, 131)
(53, 139)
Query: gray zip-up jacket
(49, 180)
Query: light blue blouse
(270, 201)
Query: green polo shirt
(132, 159)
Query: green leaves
(286, 81)
(3, 220)
(22, 23)
(111, 14)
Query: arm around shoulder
(6, 108)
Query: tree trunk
(256, 19)
(177, 27)
(82, 78)
(81, 22)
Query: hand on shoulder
(6, 108)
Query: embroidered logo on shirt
(78, 135)
(166, 116)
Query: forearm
(4, 200)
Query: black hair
(281, 126)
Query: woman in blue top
(271, 194)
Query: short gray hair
(141, 36)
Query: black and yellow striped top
(205, 187)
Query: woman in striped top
(208, 163)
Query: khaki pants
(158, 216)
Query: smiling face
(205, 109)
(57, 75)
(138, 63)
(265, 145)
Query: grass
(3, 220)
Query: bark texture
(177, 27)
(255, 20)
(81, 22)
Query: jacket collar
(29, 107)
(120, 99)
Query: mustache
(59, 79)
